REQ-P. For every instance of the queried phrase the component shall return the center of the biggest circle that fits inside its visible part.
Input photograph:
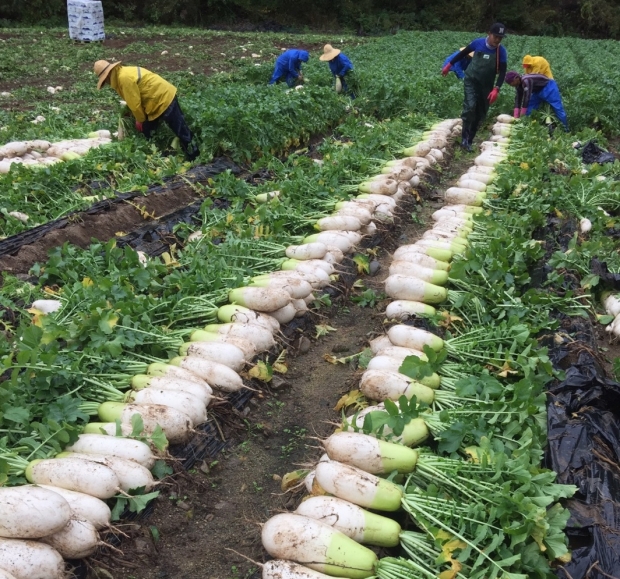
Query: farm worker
(534, 89)
(461, 66)
(487, 68)
(340, 66)
(536, 65)
(288, 67)
(150, 98)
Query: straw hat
(103, 68)
(329, 52)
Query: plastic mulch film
(592, 153)
(11, 245)
(584, 449)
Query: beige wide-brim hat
(329, 52)
(103, 68)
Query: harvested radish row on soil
(403, 309)
(416, 338)
(383, 385)
(247, 347)
(224, 353)
(215, 374)
(261, 337)
(258, 298)
(404, 287)
(242, 315)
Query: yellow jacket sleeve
(147, 94)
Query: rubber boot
(465, 142)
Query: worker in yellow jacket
(150, 98)
(536, 65)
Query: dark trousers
(173, 117)
(475, 107)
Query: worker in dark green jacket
(487, 68)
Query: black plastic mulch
(198, 174)
(583, 424)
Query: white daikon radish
(435, 276)
(185, 402)
(177, 426)
(30, 512)
(306, 251)
(258, 298)
(6, 575)
(131, 475)
(369, 453)
(360, 213)
(377, 199)
(386, 363)
(227, 354)
(31, 560)
(169, 371)
(471, 184)
(382, 187)
(77, 540)
(361, 488)
(338, 239)
(74, 474)
(505, 119)
(369, 229)
(358, 524)
(294, 264)
(300, 308)
(389, 385)
(450, 236)
(279, 569)
(483, 177)
(585, 225)
(309, 299)
(464, 196)
(499, 139)
(261, 337)
(236, 313)
(334, 255)
(309, 481)
(614, 327)
(414, 433)
(502, 129)
(127, 448)
(412, 254)
(410, 337)
(611, 303)
(402, 287)
(379, 343)
(215, 374)
(297, 288)
(437, 154)
(85, 506)
(400, 352)
(321, 547)
(399, 172)
(286, 314)
(247, 347)
(404, 309)
(421, 149)
(432, 159)
(339, 223)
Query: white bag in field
(85, 20)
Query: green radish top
(31, 465)
(111, 411)
(140, 381)
(178, 360)
(213, 327)
(226, 312)
(289, 264)
(94, 428)
(311, 238)
(157, 369)
(201, 336)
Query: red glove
(493, 95)
(523, 112)
(138, 126)
(446, 69)
(515, 113)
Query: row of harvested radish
(40, 153)
(174, 396)
(327, 533)
(611, 303)
(59, 515)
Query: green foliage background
(587, 18)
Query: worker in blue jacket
(459, 67)
(483, 79)
(340, 67)
(288, 67)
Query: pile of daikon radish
(611, 303)
(40, 153)
(322, 538)
(60, 517)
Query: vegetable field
(331, 271)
